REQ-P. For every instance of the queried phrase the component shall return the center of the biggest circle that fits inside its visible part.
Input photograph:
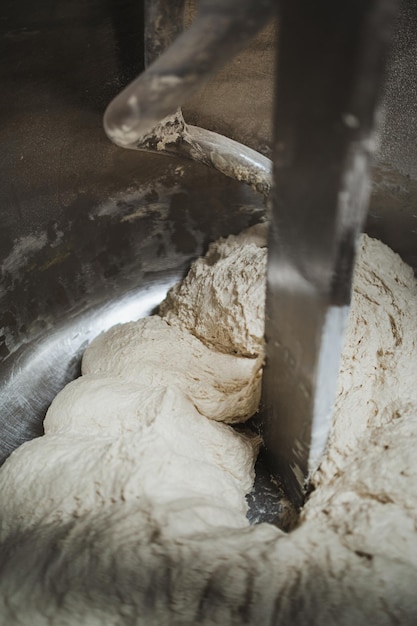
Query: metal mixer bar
(327, 92)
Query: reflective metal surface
(105, 262)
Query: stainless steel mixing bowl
(91, 234)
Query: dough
(221, 300)
(223, 387)
(131, 509)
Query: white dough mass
(131, 508)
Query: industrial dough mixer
(93, 234)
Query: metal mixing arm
(146, 115)
(220, 30)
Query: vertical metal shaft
(331, 62)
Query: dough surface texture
(221, 300)
(131, 509)
(223, 387)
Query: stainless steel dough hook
(146, 115)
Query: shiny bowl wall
(92, 235)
